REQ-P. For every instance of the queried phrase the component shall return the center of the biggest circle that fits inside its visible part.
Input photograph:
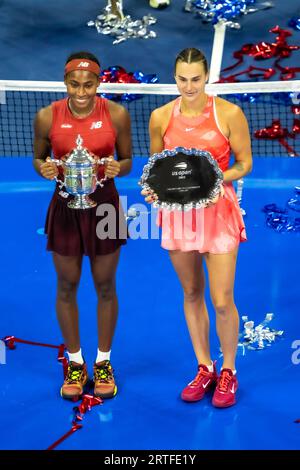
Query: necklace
(81, 116)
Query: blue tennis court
(152, 354)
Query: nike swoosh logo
(205, 385)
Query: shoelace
(224, 382)
(74, 375)
(201, 374)
(104, 373)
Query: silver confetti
(256, 337)
(114, 23)
(260, 336)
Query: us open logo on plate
(181, 166)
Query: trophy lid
(80, 155)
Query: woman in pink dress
(212, 234)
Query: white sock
(211, 367)
(76, 357)
(103, 356)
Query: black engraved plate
(182, 178)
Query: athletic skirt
(100, 230)
(216, 229)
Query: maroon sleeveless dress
(73, 232)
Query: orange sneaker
(105, 386)
(75, 380)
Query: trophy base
(81, 201)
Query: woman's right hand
(49, 169)
(151, 196)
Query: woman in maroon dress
(72, 233)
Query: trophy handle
(100, 182)
(58, 181)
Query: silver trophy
(80, 175)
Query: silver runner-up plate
(182, 178)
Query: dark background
(36, 36)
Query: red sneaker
(227, 385)
(203, 382)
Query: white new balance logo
(84, 64)
(96, 125)
(63, 194)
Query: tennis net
(272, 110)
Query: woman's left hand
(112, 168)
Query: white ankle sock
(76, 357)
(211, 367)
(102, 356)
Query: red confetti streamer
(267, 73)
(276, 131)
(87, 402)
(73, 429)
(117, 74)
(62, 359)
(262, 51)
(296, 127)
(11, 340)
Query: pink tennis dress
(216, 229)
